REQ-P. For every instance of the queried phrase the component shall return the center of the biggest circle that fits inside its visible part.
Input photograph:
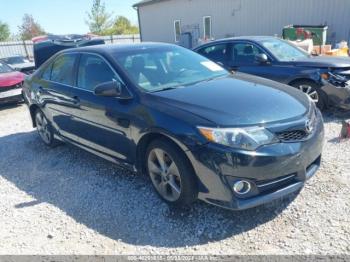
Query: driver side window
(92, 71)
(244, 53)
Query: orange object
(207, 133)
(339, 52)
(321, 50)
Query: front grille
(293, 135)
(8, 88)
(299, 133)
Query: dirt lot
(64, 201)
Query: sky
(60, 16)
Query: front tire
(45, 129)
(171, 173)
(313, 91)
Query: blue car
(325, 79)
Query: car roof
(115, 48)
(252, 38)
(240, 38)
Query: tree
(4, 31)
(99, 20)
(30, 28)
(122, 25)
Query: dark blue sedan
(196, 130)
(325, 79)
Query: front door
(103, 121)
(242, 58)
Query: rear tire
(171, 173)
(45, 129)
(313, 91)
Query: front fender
(308, 74)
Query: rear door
(55, 88)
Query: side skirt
(114, 160)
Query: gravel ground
(67, 201)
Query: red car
(10, 84)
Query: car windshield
(5, 68)
(157, 69)
(15, 60)
(283, 51)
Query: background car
(10, 84)
(196, 130)
(278, 60)
(20, 63)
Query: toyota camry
(199, 132)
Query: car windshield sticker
(212, 66)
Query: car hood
(238, 101)
(10, 79)
(324, 62)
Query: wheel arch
(32, 109)
(303, 79)
(147, 139)
(322, 93)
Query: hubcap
(43, 127)
(310, 91)
(164, 174)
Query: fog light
(241, 187)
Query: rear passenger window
(62, 69)
(47, 73)
(93, 70)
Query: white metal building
(170, 20)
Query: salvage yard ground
(67, 201)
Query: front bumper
(338, 94)
(11, 95)
(274, 170)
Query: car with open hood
(199, 132)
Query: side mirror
(109, 89)
(261, 58)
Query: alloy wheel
(164, 174)
(43, 127)
(310, 91)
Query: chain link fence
(25, 48)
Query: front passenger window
(93, 70)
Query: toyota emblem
(308, 126)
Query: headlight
(334, 76)
(245, 138)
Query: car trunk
(47, 47)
